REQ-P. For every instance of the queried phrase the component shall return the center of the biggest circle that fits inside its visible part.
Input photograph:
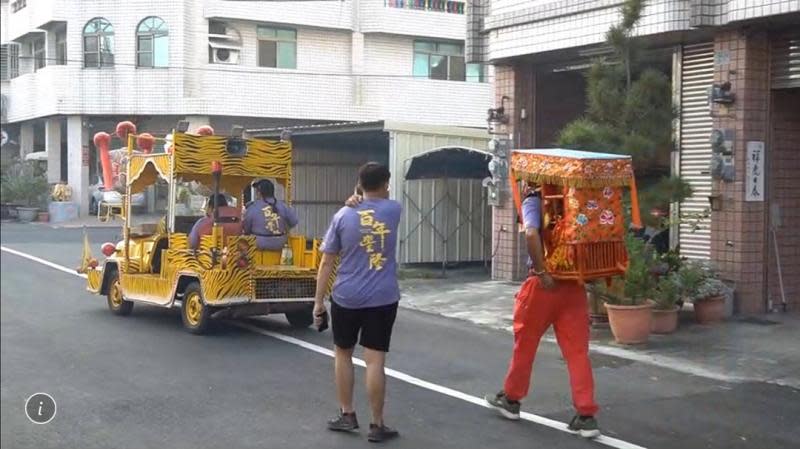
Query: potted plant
(709, 301)
(597, 309)
(665, 305)
(699, 285)
(23, 184)
(628, 300)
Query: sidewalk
(743, 349)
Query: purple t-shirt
(270, 222)
(365, 238)
(532, 212)
(532, 216)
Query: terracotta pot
(27, 214)
(709, 310)
(664, 321)
(44, 216)
(630, 324)
(598, 316)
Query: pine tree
(629, 111)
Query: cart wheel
(194, 312)
(116, 301)
(301, 318)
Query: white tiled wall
(388, 55)
(507, 6)
(584, 28)
(521, 27)
(324, 51)
(750, 9)
(321, 88)
(324, 14)
(375, 17)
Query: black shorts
(374, 323)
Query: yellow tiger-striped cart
(226, 276)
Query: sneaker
(585, 426)
(344, 422)
(500, 402)
(381, 433)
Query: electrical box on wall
(722, 148)
(494, 195)
(496, 184)
(721, 93)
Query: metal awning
(449, 163)
(319, 128)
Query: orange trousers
(564, 307)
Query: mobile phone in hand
(324, 323)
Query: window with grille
(9, 61)
(444, 61)
(61, 48)
(98, 43)
(38, 52)
(277, 47)
(152, 43)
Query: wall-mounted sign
(85, 156)
(722, 57)
(754, 172)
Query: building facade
(744, 223)
(72, 68)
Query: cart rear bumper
(263, 308)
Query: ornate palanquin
(582, 209)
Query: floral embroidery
(607, 217)
(574, 203)
(592, 205)
(582, 219)
(608, 192)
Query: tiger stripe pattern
(193, 156)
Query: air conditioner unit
(225, 56)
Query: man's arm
(532, 220)
(356, 198)
(536, 253)
(535, 249)
(323, 276)
(291, 216)
(247, 223)
(194, 235)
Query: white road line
(42, 261)
(399, 375)
(407, 378)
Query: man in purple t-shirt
(365, 294)
(269, 219)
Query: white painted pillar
(357, 66)
(25, 139)
(52, 131)
(78, 162)
(357, 54)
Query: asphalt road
(142, 382)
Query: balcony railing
(446, 6)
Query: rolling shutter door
(785, 61)
(697, 75)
